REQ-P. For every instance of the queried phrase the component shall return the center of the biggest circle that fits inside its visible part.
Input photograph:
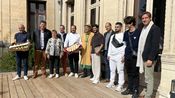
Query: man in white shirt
(73, 57)
(115, 56)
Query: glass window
(41, 8)
(32, 7)
(93, 16)
(72, 20)
(72, 8)
(93, 1)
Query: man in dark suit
(148, 50)
(107, 35)
(40, 37)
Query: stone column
(149, 6)
(68, 18)
(64, 14)
(50, 14)
(79, 14)
(1, 20)
(168, 57)
(57, 9)
(130, 7)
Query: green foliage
(8, 62)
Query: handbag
(115, 42)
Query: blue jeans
(107, 68)
(22, 59)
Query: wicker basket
(20, 47)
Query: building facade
(81, 12)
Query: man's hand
(149, 63)
(47, 55)
(61, 54)
(97, 53)
(64, 50)
(13, 43)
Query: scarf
(142, 40)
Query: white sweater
(113, 51)
(72, 38)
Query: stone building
(81, 12)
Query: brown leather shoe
(34, 76)
(43, 76)
(107, 80)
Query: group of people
(135, 50)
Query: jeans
(22, 59)
(107, 67)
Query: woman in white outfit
(115, 56)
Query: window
(93, 16)
(72, 8)
(93, 1)
(93, 12)
(36, 13)
(72, 20)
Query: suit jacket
(36, 38)
(109, 38)
(151, 48)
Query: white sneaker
(92, 79)
(71, 74)
(51, 76)
(65, 74)
(110, 85)
(119, 88)
(16, 78)
(95, 82)
(76, 75)
(57, 76)
(26, 78)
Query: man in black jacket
(148, 50)
(107, 35)
(40, 37)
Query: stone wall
(12, 13)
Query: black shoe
(84, 76)
(136, 94)
(91, 76)
(127, 92)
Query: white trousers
(115, 63)
(96, 66)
